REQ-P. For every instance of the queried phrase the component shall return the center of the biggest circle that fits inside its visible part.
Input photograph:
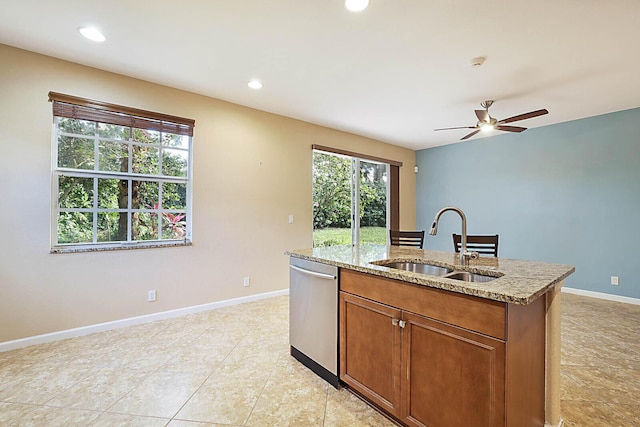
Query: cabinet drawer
(484, 316)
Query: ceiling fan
(486, 122)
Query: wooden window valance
(86, 109)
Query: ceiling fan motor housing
(486, 104)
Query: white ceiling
(393, 72)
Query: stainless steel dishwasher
(313, 316)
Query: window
(121, 176)
(345, 183)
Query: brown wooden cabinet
(452, 376)
(403, 348)
(370, 350)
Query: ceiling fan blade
(482, 115)
(524, 116)
(470, 135)
(461, 127)
(511, 128)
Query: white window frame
(130, 176)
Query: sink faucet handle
(472, 255)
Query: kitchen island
(433, 350)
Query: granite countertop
(517, 281)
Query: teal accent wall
(567, 193)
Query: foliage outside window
(120, 177)
(332, 199)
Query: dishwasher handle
(313, 273)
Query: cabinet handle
(394, 322)
(402, 323)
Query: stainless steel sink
(436, 270)
(469, 277)
(418, 267)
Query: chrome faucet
(465, 255)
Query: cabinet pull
(394, 322)
(402, 323)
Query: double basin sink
(435, 270)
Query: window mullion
(159, 219)
(94, 211)
(160, 156)
(96, 161)
(117, 175)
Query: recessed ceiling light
(356, 5)
(92, 33)
(255, 84)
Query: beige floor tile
(99, 391)
(10, 413)
(147, 357)
(197, 358)
(161, 394)
(223, 400)
(570, 389)
(180, 334)
(630, 412)
(181, 423)
(290, 401)
(606, 384)
(221, 337)
(346, 410)
(39, 383)
(119, 420)
(249, 362)
(43, 416)
(583, 414)
(93, 350)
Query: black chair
(407, 238)
(484, 245)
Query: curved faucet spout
(464, 255)
(463, 217)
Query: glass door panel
(373, 201)
(332, 218)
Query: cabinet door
(451, 376)
(370, 350)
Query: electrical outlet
(151, 296)
(246, 282)
(614, 280)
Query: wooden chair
(484, 245)
(407, 238)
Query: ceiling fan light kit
(487, 123)
(356, 5)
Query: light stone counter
(517, 281)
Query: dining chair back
(407, 238)
(484, 245)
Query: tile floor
(231, 367)
(600, 362)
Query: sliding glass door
(350, 200)
(373, 190)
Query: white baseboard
(602, 295)
(100, 327)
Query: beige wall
(251, 170)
